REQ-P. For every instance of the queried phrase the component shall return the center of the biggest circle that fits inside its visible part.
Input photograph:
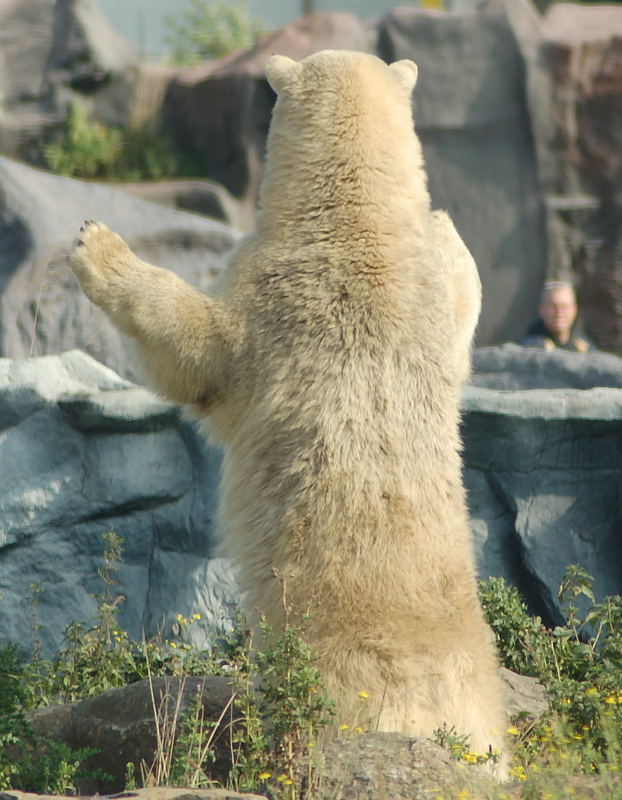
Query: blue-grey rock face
(42, 309)
(84, 452)
(544, 473)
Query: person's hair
(555, 285)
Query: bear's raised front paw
(98, 257)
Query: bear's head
(287, 76)
(342, 130)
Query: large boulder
(120, 725)
(471, 115)
(25, 40)
(221, 109)
(89, 61)
(574, 67)
(84, 452)
(42, 309)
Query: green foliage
(280, 706)
(521, 639)
(580, 665)
(294, 704)
(29, 762)
(88, 149)
(211, 29)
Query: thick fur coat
(328, 363)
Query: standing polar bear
(329, 361)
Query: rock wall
(84, 452)
(42, 310)
(519, 114)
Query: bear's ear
(282, 73)
(406, 72)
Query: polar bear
(328, 364)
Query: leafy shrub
(88, 149)
(580, 665)
(211, 29)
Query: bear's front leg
(103, 264)
(185, 337)
(464, 289)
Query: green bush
(88, 149)
(580, 665)
(281, 707)
(211, 29)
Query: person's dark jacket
(538, 336)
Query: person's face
(558, 311)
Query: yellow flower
(592, 690)
(282, 778)
(196, 616)
(344, 727)
(263, 776)
(363, 695)
(179, 617)
(611, 700)
(173, 644)
(518, 772)
(359, 730)
(513, 731)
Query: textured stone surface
(231, 138)
(83, 452)
(510, 366)
(543, 473)
(25, 39)
(120, 724)
(42, 309)
(574, 66)
(471, 115)
(89, 61)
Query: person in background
(557, 313)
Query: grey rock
(84, 452)
(231, 138)
(511, 367)
(543, 473)
(121, 724)
(42, 309)
(198, 197)
(393, 765)
(524, 695)
(90, 61)
(25, 40)
(471, 115)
